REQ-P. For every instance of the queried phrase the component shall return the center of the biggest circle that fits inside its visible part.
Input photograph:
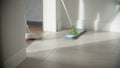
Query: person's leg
(30, 35)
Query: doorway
(34, 18)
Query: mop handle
(66, 11)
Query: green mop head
(75, 33)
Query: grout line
(49, 54)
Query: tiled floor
(92, 50)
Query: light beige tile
(95, 55)
(35, 58)
(30, 63)
(92, 50)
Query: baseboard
(34, 23)
(15, 60)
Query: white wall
(52, 15)
(92, 14)
(58, 15)
(13, 32)
(98, 15)
(34, 10)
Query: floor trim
(34, 22)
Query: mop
(75, 33)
